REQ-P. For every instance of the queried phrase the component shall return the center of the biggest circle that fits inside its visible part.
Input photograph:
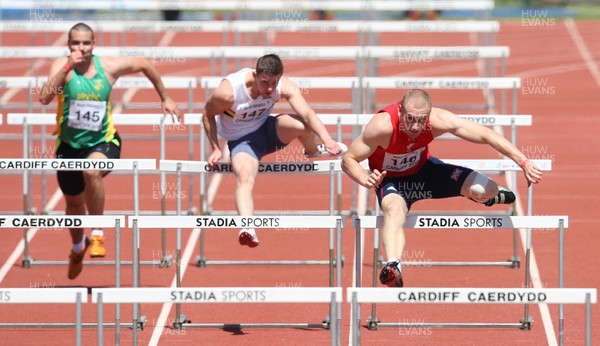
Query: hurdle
(488, 166)
(75, 296)
(30, 166)
(365, 55)
(236, 222)
(465, 222)
(486, 84)
(41, 222)
(227, 295)
(317, 167)
(28, 120)
(223, 53)
(35, 83)
(453, 295)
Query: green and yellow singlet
(84, 116)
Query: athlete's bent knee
(479, 187)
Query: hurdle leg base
(516, 262)
(526, 323)
(26, 263)
(326, 323)
(372, 324)
(335, 261)
(201, 262)
(192, 211)
(166, 262)
(141, 323)
(178, 324)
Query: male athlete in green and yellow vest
(84, 111)
(85, 129)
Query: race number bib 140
(86, 115)
(401, 162)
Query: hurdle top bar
(218, 295)
(470, 221)
(276, 222)
(61, 221)
(301, 82)
(303, 52)
(321, 166)
(119, 119)
(42, 295)
(363, 119)
(121, 83)
(262, 26)
(77, 164)
(326, 166)
(258, 5)
(472, 295)
(442, 82)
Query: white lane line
(583, 49)
(166, 309)
(18, 251)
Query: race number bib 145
(86, 115)
(401, 162)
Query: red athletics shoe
(248, 237)
(391, 276)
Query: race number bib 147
(86, 115)
(401, 162)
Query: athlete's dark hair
(270, 64)
(81, 27)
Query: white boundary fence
(481, 222)
(453, 295)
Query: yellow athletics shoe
(76, 260)
(97, 249)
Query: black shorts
(71, 182)
(435, 180)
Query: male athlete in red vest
(403, 171)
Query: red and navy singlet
(403, 156)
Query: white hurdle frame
(362, 28)
(235, 222)
(453, 295)
(75, 296)
(468, 222)
(27, 120)
(214, 53)
(323, 166)
(134, 166)
(27, 222)
(480, 165)
(219, 295)
(474, 83)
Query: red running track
(559, 89)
